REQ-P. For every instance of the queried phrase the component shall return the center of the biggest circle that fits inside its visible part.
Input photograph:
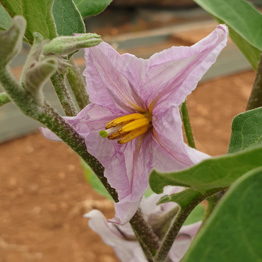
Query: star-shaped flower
(133, 123)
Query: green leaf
(246, 130)
(6, 20)
(67, 18)
(233, 231)
(213, 173)
(38, 15)
(91, 7)
(94, 181)
(244, 22)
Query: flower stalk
(77, 84)
(255, 99)
(58, 81)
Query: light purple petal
(175, 154)
(175, 72)
(138, 162)
(125, 250)
(106, 76)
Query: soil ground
(43, 193)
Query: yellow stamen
(122, 120)
(134, 125)
(127, 128)
(132, 135)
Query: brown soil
(44, 194)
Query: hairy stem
(144, 233)
(4, 99)
(77, 84)
(187, 125)
(58, 81)
(255, 99)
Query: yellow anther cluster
(127, 128)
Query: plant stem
(77, 84)
(255, 99)
(187, 125)
(144, 232)
(4, 99)
(58, 81)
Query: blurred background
(43, 192)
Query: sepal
(65, 45)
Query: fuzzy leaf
(233, 231)
(38, 15)
(213, 173)
(67, 18)
(11, 40)
(244, 22)
(91, 7)
(246, 130)
(6, 20)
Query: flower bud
(65, 45)
(36, 77)
(11, 40)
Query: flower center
(127, 128)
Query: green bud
(65, 45)
(36, 77)
(11, 40)
(34, 54)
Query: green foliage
(65, 45)
(213, 173)
(67, 18)
(6, 20)
(38, 15)
(244, 22)
(91, 7)
(233, 232)
(246, 130)
(11, 41)
(94, 181)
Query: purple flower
(123, 240)
(135, 104)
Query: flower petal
(125, 250)
(173, 153)
(111, 78)
(138, 161)
(175, 72)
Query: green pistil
(103, 133)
